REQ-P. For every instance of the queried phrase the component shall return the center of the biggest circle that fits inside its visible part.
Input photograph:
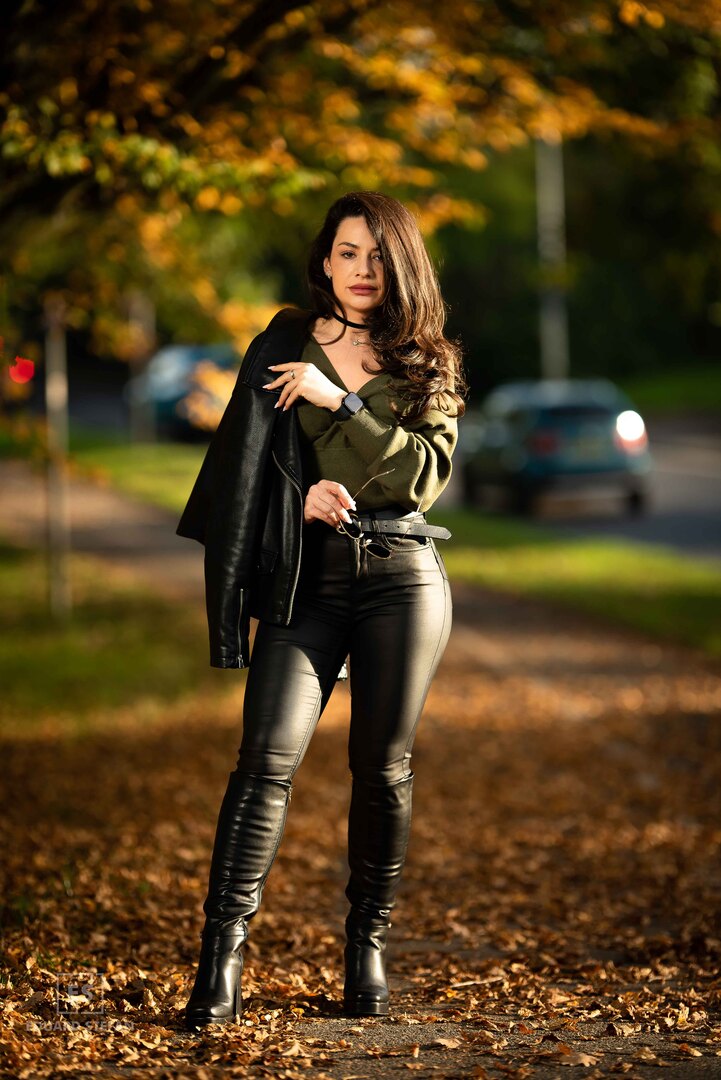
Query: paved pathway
(104, 522)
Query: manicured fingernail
(276, 405)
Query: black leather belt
(388, 520)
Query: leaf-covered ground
(560, 905)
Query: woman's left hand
(307, 382)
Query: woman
(377, 391)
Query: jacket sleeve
(233, 521)
(223, 513)
(419, 453)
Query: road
(685, 505)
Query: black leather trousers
(391, 617)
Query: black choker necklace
(347, 322)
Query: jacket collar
(285, 337)
(283, 340)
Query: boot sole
(199, 1022)
(365, 1008)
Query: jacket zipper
(296, 485)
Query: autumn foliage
(127, 117)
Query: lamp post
(56, 412)
(553, 314)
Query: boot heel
(238, 999)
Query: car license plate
(587, 448)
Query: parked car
(554, 435)
(170, 386)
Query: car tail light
(22, 371)
(630, 432)
(543, 442)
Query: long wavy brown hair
(406, 328)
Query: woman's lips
(363, 288)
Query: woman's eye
(351, 255)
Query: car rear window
(573, 412)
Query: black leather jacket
(246, 505)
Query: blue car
(555, 435)
(177, 400)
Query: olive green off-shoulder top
(351, 451)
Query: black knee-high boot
(250, 826)
(378, 831)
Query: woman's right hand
(327, 501)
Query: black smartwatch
(349, 406)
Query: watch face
(349, 406)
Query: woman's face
(355, 268)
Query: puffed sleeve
(419, 452)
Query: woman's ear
(326, 267)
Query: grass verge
(646, 587)
(123, 646)
(696, 388)
(160, 473)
